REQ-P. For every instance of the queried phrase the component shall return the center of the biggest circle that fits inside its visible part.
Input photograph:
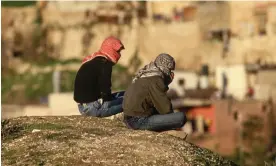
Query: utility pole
(56, 81)
(149, 11)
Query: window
(17, 54)
(181, 82)
(219, 34)
(261, 21)
(189, 13)
(236, 115)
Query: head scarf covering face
(165, 63)
(162, 66)
(110, 49)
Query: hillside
(77, 140)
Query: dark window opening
(236, 116)
(262, 32)
(220, 35)
(264, 108)
(181, 82)
(142, 10)
(17, 54)
(205, 70)
(87, 13)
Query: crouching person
(146, 105)
(92, 89)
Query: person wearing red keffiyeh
(92, 89)
(110, 49)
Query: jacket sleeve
(105, 82)
(159, 98)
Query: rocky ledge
(78, 140)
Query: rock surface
(77, 140)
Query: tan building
(232, 118)
(194, 33)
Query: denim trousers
(105, 109)
(157, 122)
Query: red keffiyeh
(110, 49)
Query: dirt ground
(78, 140)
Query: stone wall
(70, 34)
(73, 6)
(234, 114)
(266, 85)
(166, 8)
(17, 27)
(250, 50)
(242, 17)
(214, 16)
(62, 18)
(272, 21)
(19, 18)
(181, 40)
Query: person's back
(93, 77)
(145, 96)
(146, 105)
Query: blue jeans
(157, 122)
(107, 108)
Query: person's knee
(182, 118)
(115, 102)
(121, 99)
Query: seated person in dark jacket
(92, 89)
(146, 105)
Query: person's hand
(100, 101)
